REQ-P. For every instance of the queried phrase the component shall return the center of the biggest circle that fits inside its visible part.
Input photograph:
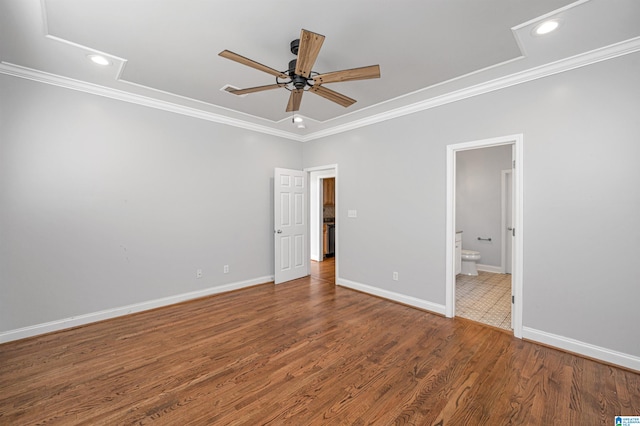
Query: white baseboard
(390, 295)
(582, 348)
(564, 343)
(48, 327)
(561, 342)
(490, 268)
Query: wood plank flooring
(325, 270)
(302, 353)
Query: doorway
(323, 221)
(515, 141)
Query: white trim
(76, 321)
(577, 61)
(489, 268)
(517, 273)
(320, 168)
(114, 58)
(582, 348)
(450, 231)
(549, 15)
(107, 92)
(602, 54)
(390, 295)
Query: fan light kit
(299, 77)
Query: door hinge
(513, 299)
(514, 163)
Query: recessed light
(297, 119)
(546, 27)
(99, 60)
(301, 126)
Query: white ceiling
(165, 52)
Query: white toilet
(469, 259)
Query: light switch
(352, 213)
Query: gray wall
(105, 203)
(581, 198)
(479, 200)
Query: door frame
(517, 141)
(316, 201)
(327, 167)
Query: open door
(508, 231)
(290, 224)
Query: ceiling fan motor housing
(299, 82)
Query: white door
(509, 223)
(290, 224)
(510, 235)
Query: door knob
(279, 231)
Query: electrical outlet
(395, 276)
(226, 269)
(198, 273)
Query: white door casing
(316, 175)
(330, 170)
(290, 224)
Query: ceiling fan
(299, 77)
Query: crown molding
(577, 61)
(567, 64)
(108, 92)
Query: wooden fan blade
(362, 73)
(250, 63)
(310, 44)
(294, 100)
(253, 89)
(336, 97)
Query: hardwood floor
(325, 270)
(303, 353)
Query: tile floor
(485, 298)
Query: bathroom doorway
(487, 292)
